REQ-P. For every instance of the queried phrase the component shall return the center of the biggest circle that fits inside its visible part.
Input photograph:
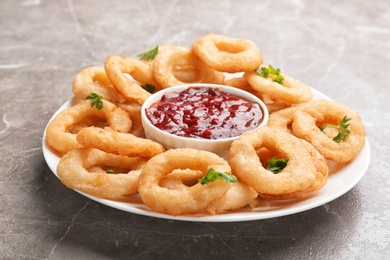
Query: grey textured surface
(341, 48)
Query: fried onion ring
(238, 196)
(190, 200)
(283, 119)
(180, 179)
(272, 104)
(118, 143)
(292, 91)
(305, 171)
(86, 170)
(228, 54)
(94, 80)
(134, 110)
(141, 72)
(241, 83)
(62, 140)
(320, 112)
(177, 65)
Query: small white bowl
(169, 141)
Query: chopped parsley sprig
(213, 175)
(96, 100)
(266, 72)
(342, 129)
(149, 88)
(276, 165)
(149, 55)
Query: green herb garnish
(342, 128)
(265, 72)
(111, 172)
(149, 88)
(149, 55)
(96, 100)
(276, 165)
(212, 175)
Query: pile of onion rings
(104, 151)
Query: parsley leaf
(266, 72)
(276, 165)
(96, 100)
(342, 128)
(263, 71)
(149, 88)
(111, 172)
(279, 79)
(212, 175)
(149, 55)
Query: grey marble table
(341, 48)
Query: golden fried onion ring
(238, 196)
(292, 91)
(86, 170)
(190, 200)
(283, 119)
(320, 112)
(118, 143)
(62, 141)
(134, 110)
(242, 83)
(228, 54)
(116, 67)
(306, 170)
(174, 61)
(94, 80)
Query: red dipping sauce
(200, 112)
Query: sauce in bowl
(205, 113)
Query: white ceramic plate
(341, 180)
